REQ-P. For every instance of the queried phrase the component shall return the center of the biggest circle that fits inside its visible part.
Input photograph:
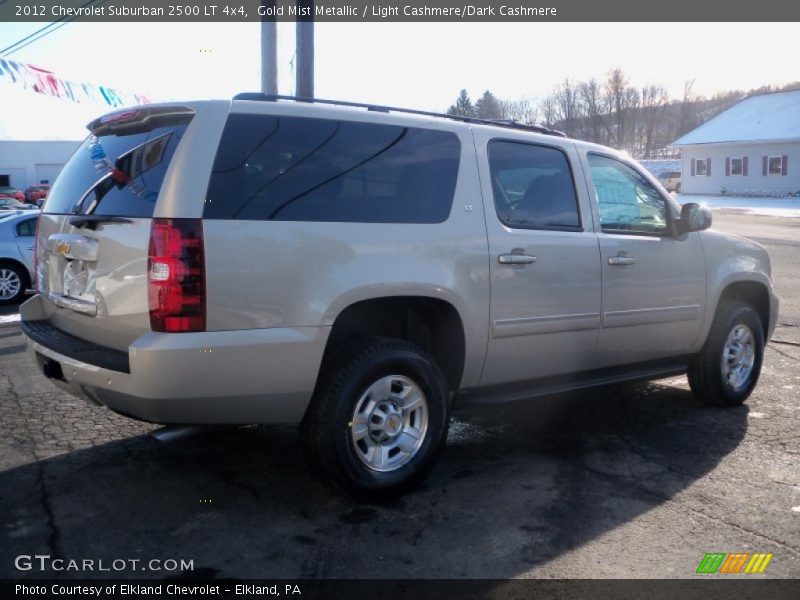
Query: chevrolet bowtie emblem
(63, 248)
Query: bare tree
(653, 107)
(621, 100)
(522, 110)
(594, 109)
(686, 120)
(549, 110)
(568, 106)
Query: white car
(17, 235)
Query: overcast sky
(415, 65)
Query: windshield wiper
(91, 221)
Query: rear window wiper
(91, 221)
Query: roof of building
(771, 117)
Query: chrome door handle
(516, 259)
(621, 260)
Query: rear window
(115, 175)
(299, 169)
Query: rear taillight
(176, 276)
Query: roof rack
(511, 124)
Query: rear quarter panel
(264, 274)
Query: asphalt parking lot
(635, 480)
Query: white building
(752, 149)
(28, 163)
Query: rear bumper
(218, 377)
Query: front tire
(727, 368)
(378, 420)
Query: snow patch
(771, 207)
(9, 319)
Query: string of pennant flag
(42, 81)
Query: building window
(775, 165)
(702, 167)
(737, 166)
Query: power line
(58, 26)
(47, 29)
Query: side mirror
(694, 217)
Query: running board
(569, 383)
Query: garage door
(47, 173)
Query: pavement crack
(54, 534)
(676, 506)
(782, 353)
(785, 342)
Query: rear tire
(726, 370)
(13, 283)
(378, 420)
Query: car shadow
(516, 487)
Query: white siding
(754, 183)
(26, 162)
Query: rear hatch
(94, 232)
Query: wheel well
(752, 293)
(23, 269)
(430, 323)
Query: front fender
(732, 259)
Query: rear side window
(532, 186)
(299, 169)
(27, 227)
(118, 175)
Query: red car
(36, 194)
(7, 191)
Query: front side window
(627, 202)
(300, 169)
(775, 165)
(533, 186)
(737, 166)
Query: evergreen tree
(489, 107)
(463, 106)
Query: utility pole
(269, 51)
(304, 68)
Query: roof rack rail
(511, 124)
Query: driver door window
(627, 202)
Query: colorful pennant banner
(41, 81)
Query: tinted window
(297, 169)
(115, 175)
(533, 186)
(626, 199)
(27, 227)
